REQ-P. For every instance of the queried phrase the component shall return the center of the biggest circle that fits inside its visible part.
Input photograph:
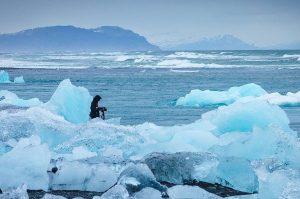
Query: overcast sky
(262, 22)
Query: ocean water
(143, 86)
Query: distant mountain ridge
(74, 39)
(222, 42)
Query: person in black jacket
(95, 109)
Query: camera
(102, 109)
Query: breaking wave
(164, 59)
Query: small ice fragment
(19, 80)
(191, 192)
(116, 192)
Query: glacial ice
(138, 176)
(184, 167)
(243, 117)
(4, 77)
(191, 192)
(208, 98)
(148, 193)
(26, 163)
(9, 98)
(245, 93)
(17, 193)
(85, 151)
(19, 80)
(116, 192)
(72, 102)
(236, 173)
(76, 175)
(280, 183)
(50, 196)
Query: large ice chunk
(138, 176)
(4, 77)
(260, 144)
(244, 116)
(186, 168)
(77, 175)
(191, 192)
(70, 101)
(9, 98)
(248, 92)
(51, 196)
(233, 172)
(116, 192)
(207, 97)
(148, 193)
(26, 163)
(280, 183)
(18, 193)
(290, 99)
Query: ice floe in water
(4, 78)
(19, 80)
(247, 92)
(246, 145)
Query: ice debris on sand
(247, 92)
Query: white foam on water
(184, 63)
(184, 71)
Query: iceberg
(191, 192)
(245, 93)
(220, 147)
(4, 77)
(189, 168)
(19, 80)
(148, 193)
(9, 98)
(243, 117)
(71, 102)
(200, 98)
(290, 99)
(76, 175)
(26, 163)
(118, 191)
(279, 183)
(138, 176)
(17, 193)
(261, 144)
